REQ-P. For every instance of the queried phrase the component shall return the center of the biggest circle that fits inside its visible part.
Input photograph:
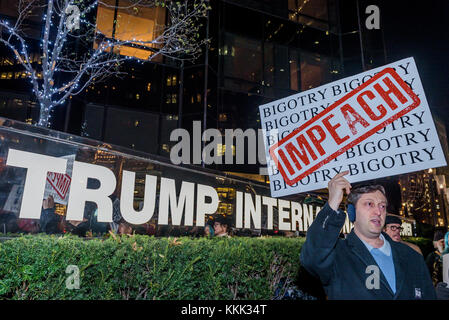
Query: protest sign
(12, 203)
(407, 142)
(58, 184)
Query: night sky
(421, 29)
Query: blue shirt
(384, 260)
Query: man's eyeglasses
(394, 228)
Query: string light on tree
(179, 40)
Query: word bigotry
(355, 117)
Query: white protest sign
(409, 143)
(58, 184)
(12, 204)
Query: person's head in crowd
(125, 228)
(209, 230)
(221, 226)
(393, 227)
(438, 240)
(370, 203)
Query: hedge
(425, 244)
(143, 267)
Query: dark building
(260, 51)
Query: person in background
(442, 288)
(221, 226)
(393, 229)
(49, 221)
(434, 259)
(209, 230)
(125, 228)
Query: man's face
(370, 214)
(219, 228)
(394, 231)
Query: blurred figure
(28, 225)
(221, 226)
(209, 230)
(442, 288)
(125, 228)
(49, 221)
(8, 223)
(393, 229)
(434, 260)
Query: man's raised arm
(317, 253)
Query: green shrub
(425, 244)
(143, 267)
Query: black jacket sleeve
(318, 252)
(429, 290)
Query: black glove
(442, 291)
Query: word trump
(355, 117)
(180, 202)
(38, 166)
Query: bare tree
(68, 21)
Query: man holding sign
(368, 264)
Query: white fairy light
(100, 63)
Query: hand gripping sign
(350, 120)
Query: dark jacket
(341, 264)
(49, 221)
(434, 263)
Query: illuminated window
(137, 96)
(3, 75)
(173, 81)
(17, 75)
(174, 98)
(304, 12)
(168, 100)
(198, 97)
(7, 62)
(222, 117)
(171, 117)
(169, 81)
(149, 87)
(133, 23)
(9, 75)
(166, 147)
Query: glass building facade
(259, 51)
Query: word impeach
(60, 183)
(355, 117)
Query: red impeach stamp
(60, 183)
(350, 120)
